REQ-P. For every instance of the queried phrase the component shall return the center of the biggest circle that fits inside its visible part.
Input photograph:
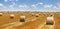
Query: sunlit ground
(32, 20)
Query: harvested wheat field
(29, 20)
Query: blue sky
(30, 5)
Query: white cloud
(24, 7)
(40, 3)
(55, 7)
(11, 7)
(1, 4)
(48, 6)
(10, 0)
(2, 7)
(5, 0)
(16, 0)
(34, 6)
(58, 4)
(13, 4)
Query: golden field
(33, 20)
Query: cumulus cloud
(55, 7)
(16, 0)
(6, 0)
(2, 7)
(1, 4)
(58, 4)
(34, 6)
(24, 7)
(48, 6)
(31, 8)
(11, 6)
(52, 8)
(10, 0)
(40, 3)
